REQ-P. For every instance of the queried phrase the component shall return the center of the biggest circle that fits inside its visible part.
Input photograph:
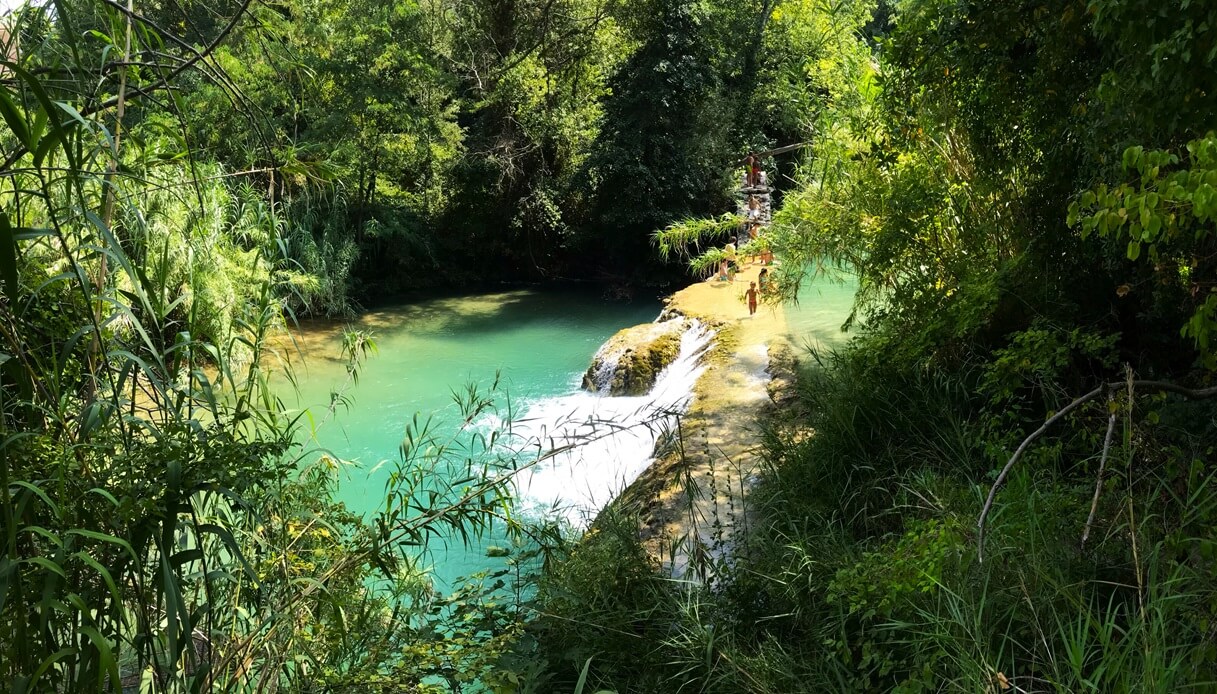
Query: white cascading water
(606, 368)
(613, 437)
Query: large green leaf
(13, 117)
(8, 258)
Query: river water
(537, 344)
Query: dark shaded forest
(429, 144)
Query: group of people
(756, 214)
(754, 176)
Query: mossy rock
(638, 368)
(636, 355)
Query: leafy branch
(677, 238)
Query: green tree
(662, 151)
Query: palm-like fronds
(677, 238)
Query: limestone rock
(631, 360)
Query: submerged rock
(631, 360)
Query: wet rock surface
(630, 362)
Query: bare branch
(1098, 483)
(1158, 386)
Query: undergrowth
(864, 573)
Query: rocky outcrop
(631, 360)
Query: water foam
(611, 439)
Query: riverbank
(693, 497)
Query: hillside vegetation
(1023, 190)
(1026, 192)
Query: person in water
(751, 294)
(725, 264)
(763, 281)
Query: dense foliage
(1024, 191)
(166, 523)
(416, 145)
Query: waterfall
(607, 367)
(614, 436)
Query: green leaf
(28, 233)
(115, 595)
(107, 656)
(231, 543)
(1134, 250)
(46, 144)
(48, 565)
(104, 494)
(46, 664)
(8, 259)
(583, 676)
(72, 112)
(102, 537)
(185, 556)
(13, 116)
(1153, 227)
(1132, 156)
(46, 106)
(39, 493)
(40, 118)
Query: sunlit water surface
(537, 344)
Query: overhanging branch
(1106, 388)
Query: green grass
(862, 571)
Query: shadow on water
(468, 316)
(454, 315)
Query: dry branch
(1132, 385)
(1098, 483)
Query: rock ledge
(631, 360)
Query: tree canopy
(1025, 192)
